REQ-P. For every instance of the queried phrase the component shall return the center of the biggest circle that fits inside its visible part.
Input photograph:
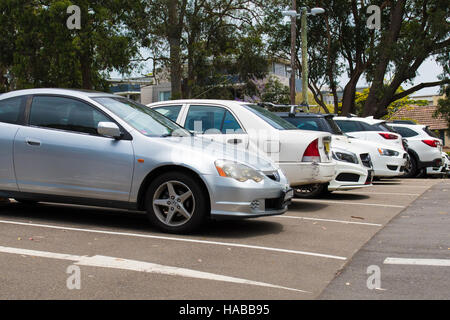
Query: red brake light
(312, 152)
(431, 143)
(388, 136)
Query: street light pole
(304, 19)
(304, 35)
(293, 51)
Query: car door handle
(234, 141)
(33, 143)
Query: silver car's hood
(203, 148)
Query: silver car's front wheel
(176, 202)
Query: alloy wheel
(174, 203)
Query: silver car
(98, 149)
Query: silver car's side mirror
(109, 129)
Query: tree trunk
(376, 94)
(175, 27)
(348, 100)
(86, 72)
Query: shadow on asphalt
(129, 221)
(306, 206)
(386, 183)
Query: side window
(203, 118)
(310, 125)
(348, 125)
(65, 114)
(230, 124)
(10, 110)
(406, 132)
(170, 112)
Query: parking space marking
(206, 242)
(350, 203)
(380, 193)
(330, 220)
(418, 262)
(139, 266)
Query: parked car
(98, 149)
(424, 148)
(365, 129)
(386, 160)
(353, 163)
(442, 170)
(304, 156)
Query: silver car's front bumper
(234, 199)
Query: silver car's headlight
(387, 152)
(237, 171)
(344, 155)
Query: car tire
(310, 190)
(411, 168)
(27, 202)
(176, 203)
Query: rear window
(311, 124)
(406, 132)
(354, 126)
(430, 133)
(271, 118)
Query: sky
(427, 72)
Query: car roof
(57, 91)
(201, 101)
(403, 125)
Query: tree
(203, 43)
(43, 52)
(361, 98)
(414, 31)
(339, 40)
(443, 108)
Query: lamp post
(303, 14)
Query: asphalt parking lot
(120, 256)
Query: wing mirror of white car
(109, 129)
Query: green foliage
(211, 46)
(275, 92)
(43, 52)
(443, 108)
(361, 97)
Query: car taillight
(312, 152)
(388, 136)
(431, 143)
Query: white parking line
(330, 220)
(418, 262)
(140, 266)
(379, 193)
(349, 203)
(227, 244)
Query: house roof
(423, 115)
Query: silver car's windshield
(145, 120)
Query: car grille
(365, 159)
(348, 177)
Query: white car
(387, 160)
(353, 163)
(443, 170)
(304, 156)
(367, 129)
(424, 148)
